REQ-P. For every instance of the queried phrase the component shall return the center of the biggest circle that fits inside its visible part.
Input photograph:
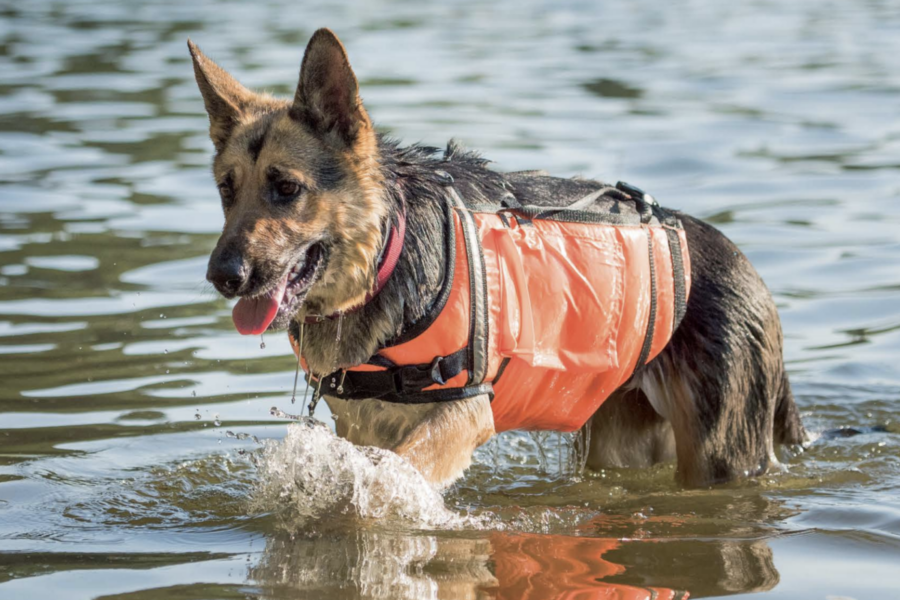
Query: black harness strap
(678, 278)
(405, 384)
(381, 361)
(651, 324)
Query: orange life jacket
(548, 310)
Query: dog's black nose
(227, 272)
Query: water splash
(314, 480)
(560, 455)
(243, 436)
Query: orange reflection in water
(559, 567)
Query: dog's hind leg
(723, 427)
(721, 378)
(627, 433)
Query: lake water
(139, 458)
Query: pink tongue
(252, 316)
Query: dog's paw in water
(314, 479)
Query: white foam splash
(313, 478)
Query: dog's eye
(226, 191)
(287, 189)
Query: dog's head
(301, 190)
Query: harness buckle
(636, 193)
(415, 378)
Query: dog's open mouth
(253, 316)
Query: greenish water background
(121, 371)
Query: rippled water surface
(135, 423)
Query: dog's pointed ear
(327, 98)
(226, 100)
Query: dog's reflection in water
(367, 564)
(508, 566)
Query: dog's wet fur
(313, 170)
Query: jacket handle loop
(478, 318)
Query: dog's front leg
(440, 446)
(438, 439)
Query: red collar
(386, 266)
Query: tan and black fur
(716, 399)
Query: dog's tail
(788, 426)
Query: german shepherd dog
(308, 188)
